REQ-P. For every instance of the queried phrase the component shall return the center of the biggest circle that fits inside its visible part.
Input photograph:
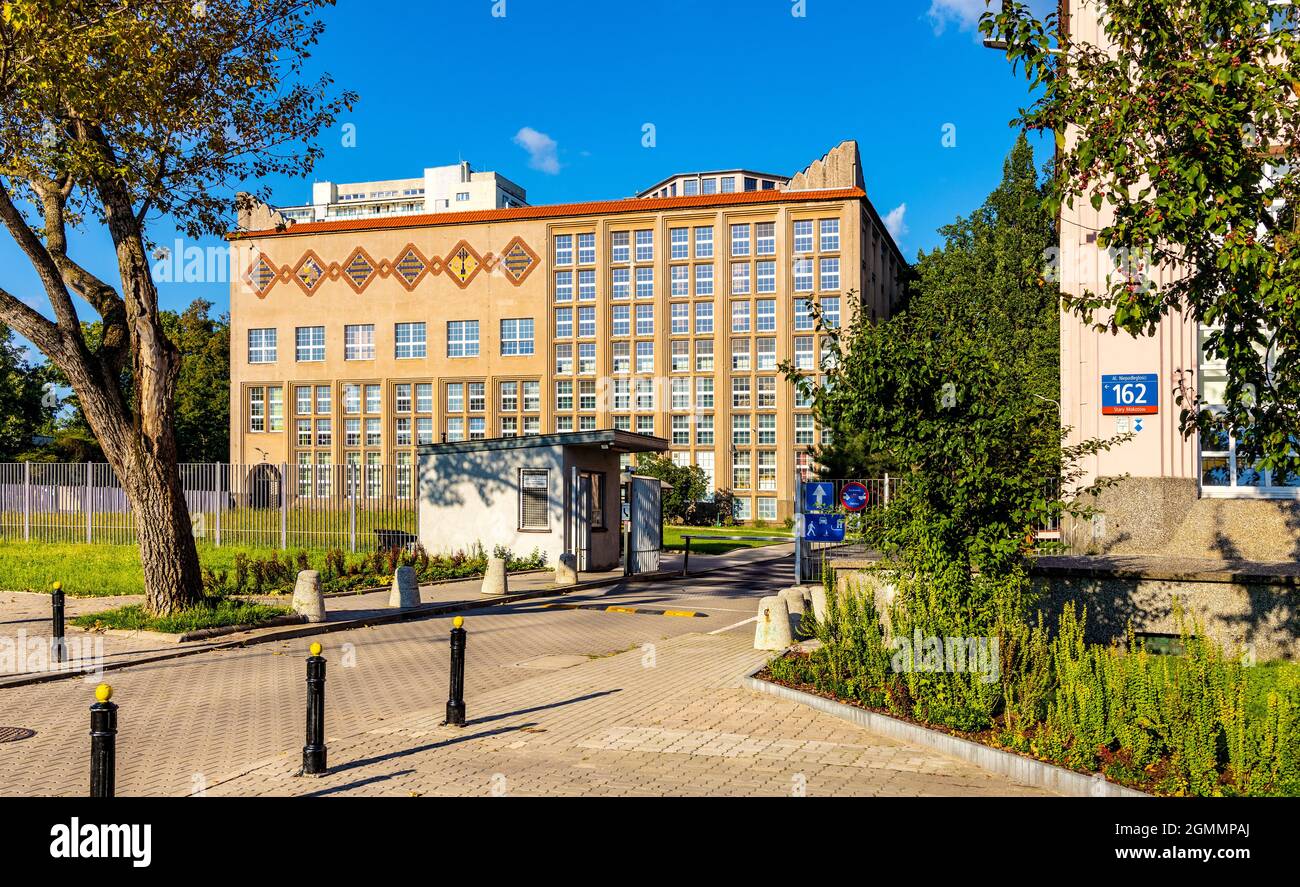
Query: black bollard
(456, 699)
(103, 743)
(313, 753)
(56, 641)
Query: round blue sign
(854, 496)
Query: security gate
(645, 536)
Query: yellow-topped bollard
(103, 743)
(315, 648)
(103, 693)
(57, 586)
(458, 622)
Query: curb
(1018, 768)
(424, 611)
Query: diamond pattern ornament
(359, 269)
(518, 261)
(462, 263)
(410, 267)
(262, 276)
(310, 272)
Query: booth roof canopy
(618, 441)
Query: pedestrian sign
(823, 527)
(818, 496)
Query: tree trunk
(172, 579)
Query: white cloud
(541, 148)
(965, 14)
(896, 222)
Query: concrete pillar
(494, 579)
(797, 604)
(307, 597)
(566, 571)
(818, 595)
(773, 629)
(406, 591)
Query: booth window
(534, 496)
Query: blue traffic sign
(854, 496)
(818, 496)
(823, 527)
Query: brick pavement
(231, 721)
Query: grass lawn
(218, 613)
(673, 540)
(90, 570)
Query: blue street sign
(818, 496)
(1130, 394)
(854, 496)
(823, 527)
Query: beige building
(1184, 496)
(355, 341)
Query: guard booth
(557, 493)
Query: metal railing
(273, 505)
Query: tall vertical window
(803, 237)
(803, 275)
(359, 341)
(645, 283)
(257, 409)
(261, 346)
(765, 315)
(765, 239)
(587, 286)
(619, 246)
(645, 320)
(620, 283)
(586, 249)
(830, 235)
(740, 240)
(703, 280)
(645, 246)
(679, 281)
(309, 343)
(516, 336)
(766, 274)
(587, 322)
(704, 242)
(462, 338)
(679, 243)
(564, 286)
(740, 279)
(740, 317)
(410, 339)
(564, 249)
(829, 275)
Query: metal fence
(274, 505)
(862, 528)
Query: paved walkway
(560, 701)
(670, 720)
(26, 615)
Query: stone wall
(1168, 517)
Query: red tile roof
(555, 211)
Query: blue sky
(724, 82)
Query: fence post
(798, 525)
(216, 484)
(90, 515)
(27, 501)
(352, 506)
(284, 506)
(886, 489)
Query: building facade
(454, 188)
(1180, 496)
(355, 341)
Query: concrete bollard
(818, 595)
(797, 604)
(406, 591)
(566, 571)
(773, 629)
(307, 597)
(494, 579)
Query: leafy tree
(23, 406)
(202, 399)
(116, 114)
(689, 484)
(1184, 124)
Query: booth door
(582, 523)
(646, 531)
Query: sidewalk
(666, 719)
(30, 613)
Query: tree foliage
(114, 114)
(689, 485)
(957, 391)
(1185, 125)
(24, 408)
